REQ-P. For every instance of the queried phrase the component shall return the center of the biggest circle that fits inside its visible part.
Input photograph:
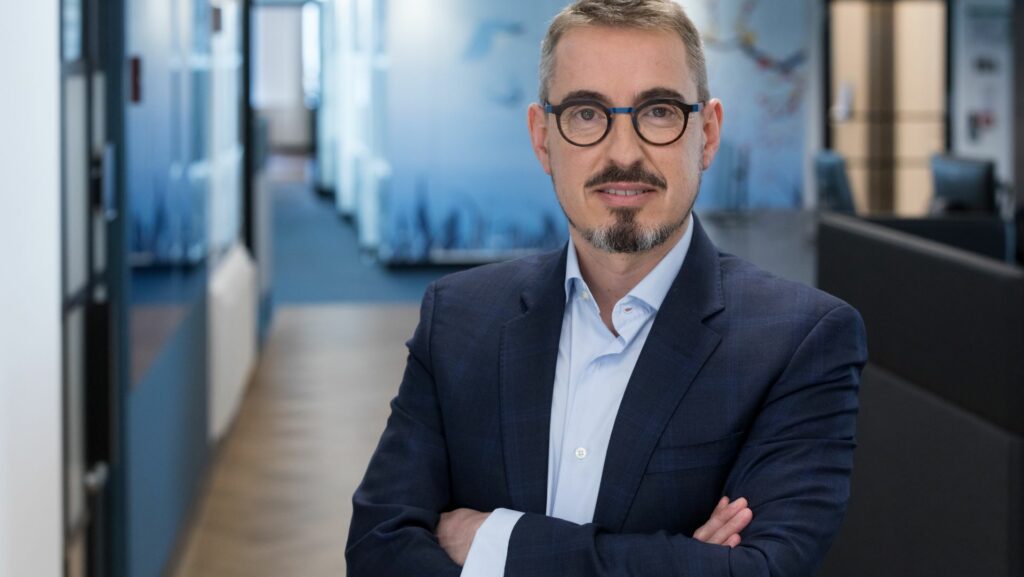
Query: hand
(456, 531)
(726, 522)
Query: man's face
(624, 194)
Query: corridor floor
(278, 500)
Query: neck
(611, 276)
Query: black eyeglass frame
(633, 111)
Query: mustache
(634, 173)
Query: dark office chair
(833, 187)
(963, 185)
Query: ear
(712, 116)
(537, 121)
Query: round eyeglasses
(660, 121)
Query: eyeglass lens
(587, 123)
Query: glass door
(888, 98)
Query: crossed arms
(457, 529)
(793, 470)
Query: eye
(662, 111)
(585, 114)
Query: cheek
(569, 172)
(687, 170)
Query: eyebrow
(657, 92)
(586, 95)
(660, 92)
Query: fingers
(722, 513)
(722, 504)
(705, 530)
(726, 521)
(733, 526)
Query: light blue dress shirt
(593, 369)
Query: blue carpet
(317, 257)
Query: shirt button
(581, 453)
(585, 296)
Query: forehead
(620, 62)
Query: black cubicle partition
(986, 235)
(938, 485)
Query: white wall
(814, 118)
(30, 352)
(1018, 97)
(982, 30)
(233, 303)
(226, 152)
(277, 75)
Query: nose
(624, 144)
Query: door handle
(108, 178)
(96, 479)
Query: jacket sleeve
(397, 506)
(794, 469)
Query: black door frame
(113, 58)
(101, 301)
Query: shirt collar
(654, 287)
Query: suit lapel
(529, 352)
(676, 348)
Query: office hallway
(278, 495)
(278, 499)
(316, 253)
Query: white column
(31, 522)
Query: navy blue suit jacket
(747, 387)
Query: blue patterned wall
(464, 180)
(463, 175)
(167, 131)
(757, 52)
(167, 168)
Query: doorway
(888, 86)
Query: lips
(625, 192)
(626, 189)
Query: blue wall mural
(168, 175)
(464, 183)
(168, 131)
(757, 65)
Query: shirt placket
(581, 465)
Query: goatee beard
(625, 236)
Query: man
(636, 403)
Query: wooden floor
(279, 497)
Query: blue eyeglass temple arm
(549, 108)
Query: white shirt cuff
(487, 554)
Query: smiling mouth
(625, 192)
(626, 189)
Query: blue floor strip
(317, 257)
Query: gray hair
(664, 15)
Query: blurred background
(217, 218)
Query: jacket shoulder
(752, 291)
(497, 284)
